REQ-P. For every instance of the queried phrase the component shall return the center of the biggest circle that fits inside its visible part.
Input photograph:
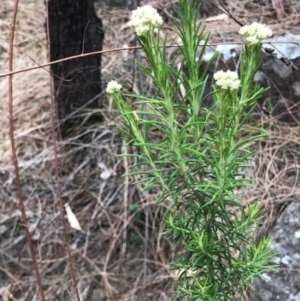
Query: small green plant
(133, 207)
(197, 164)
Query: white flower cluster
(255, 33)
(144, 19)
(228, 80)
(113, 87)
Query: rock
(284, 285)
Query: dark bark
(74, 29)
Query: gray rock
(284, 285)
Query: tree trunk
(75, 29)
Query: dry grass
(118, 219)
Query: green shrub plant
(197, 164)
